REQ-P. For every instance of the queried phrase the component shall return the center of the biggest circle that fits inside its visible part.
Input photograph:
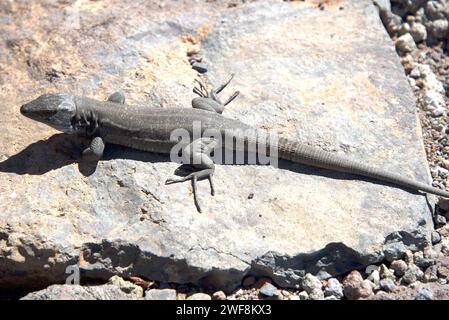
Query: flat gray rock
(77, 292)
(329, 78)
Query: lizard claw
(171, 181)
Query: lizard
(149, 129)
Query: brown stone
(354, 287)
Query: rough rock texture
(355, 287)
(160, 294)
(77, 292)
(340, 89)
(199, 296)
(422, 291)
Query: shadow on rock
(309, 170)
(64, 149)
(45, 155)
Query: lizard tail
(304, 154)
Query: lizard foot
(95, 151)
(195, 176)
(209, 101)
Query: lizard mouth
(28, 110)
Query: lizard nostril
(23, 109)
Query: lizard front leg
(197, 154)
(95, 151)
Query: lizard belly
(144, 144)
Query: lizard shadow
(304, 169)
(64, 149)
(330, 174)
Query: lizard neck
(85, 121)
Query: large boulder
(328, 78)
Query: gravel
(418, 32)
(219, 295)
(424, 294)
(316, 294)
(199, 296)
(405, 43)
(303, 295)
(160, 294)
(374, 277)
(399, 267)
(354, 287)
(386, 273)
(430, 275)
(413, 274)
(310, 282)
(333, 288)
(436, 237)
(387, 285)
(268, 290)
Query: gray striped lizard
(149, 129)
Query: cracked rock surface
(341, 89)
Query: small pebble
(415, 73)
(418, 32)
(374, 277)
(430, 275)
(424, 263)
(303, 295)
(412, 274)
(385, 272)
(323, 275)
(424, 294)
(316, 294)
(219, 295)
(310, 282)
(160, 294)
(199, 296)
(443, 272)
(405, 44)
(192, 50)
(387, 285)
(408, 256)
(394, 251)
(399, 267)
(333, 288)
(354, 287)
(201, 67)
(440, 220)
(371, 268)
(268, 290)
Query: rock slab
(341, 89)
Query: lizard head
(55, 110)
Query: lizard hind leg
(95, 151)
(198, 154)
